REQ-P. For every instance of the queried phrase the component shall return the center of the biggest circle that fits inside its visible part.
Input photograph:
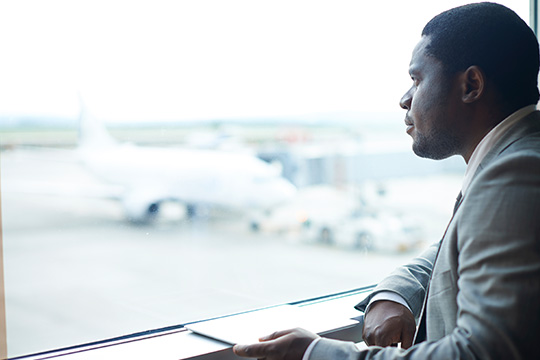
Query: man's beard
(437, 145)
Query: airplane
(197, 178)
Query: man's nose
(405, 101)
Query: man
(474, 94)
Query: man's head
(474, 65)
(493, 38)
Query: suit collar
(489, 141)
(526, 126)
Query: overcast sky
(144, 60)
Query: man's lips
(409, 124)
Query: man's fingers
(382, 336)
(388, 323)
(287, 344)
(253, 350)
(259, 349)
(275, 335)
(407, 335)
(385, 340)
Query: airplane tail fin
(92, 132)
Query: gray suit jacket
(484, 295)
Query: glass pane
(169, 161)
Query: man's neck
(482, 121)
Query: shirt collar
(489, 140)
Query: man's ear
(473, 84)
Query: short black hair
(494, 38)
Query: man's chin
(427, 153)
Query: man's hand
(281, 345)
(388, 323)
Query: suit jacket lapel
(421, 331)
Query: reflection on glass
(209, 176)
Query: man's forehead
(419, 55)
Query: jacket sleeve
(409, 281)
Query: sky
(209, 59)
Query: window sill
(182, 343)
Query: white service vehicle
(368, 230)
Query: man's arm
(408, 281)
(388, 322)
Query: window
(232, 156)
